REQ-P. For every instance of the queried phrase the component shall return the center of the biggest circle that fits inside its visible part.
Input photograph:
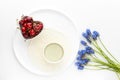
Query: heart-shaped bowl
(58, 28)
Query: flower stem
(107, 50)
(118, 75)
(101, 52)
(112, 66)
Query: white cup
(53, 53)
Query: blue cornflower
(77, 63)
(90, 51)
(81, 61)
(96, 33)
(85, 61)
(94, 37)
(79, 58)
(88, 48)
(88, 31)
(82, 52)
(85, 35)
(79, 52)
(80, 67)
(83, 43)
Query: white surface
(101, 15)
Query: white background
(101, 15)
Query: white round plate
(54, 20)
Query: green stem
(97, 69)
(99, 66)
(101, 52)
(118, 75)
(94, 65)
(107, 50)
(111, 66)
(104, 55)
(111, 61)
(98, 49)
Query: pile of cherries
(30, 28)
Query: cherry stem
(18, 28)
(22, 16)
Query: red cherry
(29, 25)
(25, 25)
(38, 26)
(41, 25)
(23, 29)
(27, 19)
(32, 32)
(26, 35)
(21, 22)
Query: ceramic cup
(53, 53)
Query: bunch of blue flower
(95, 51)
